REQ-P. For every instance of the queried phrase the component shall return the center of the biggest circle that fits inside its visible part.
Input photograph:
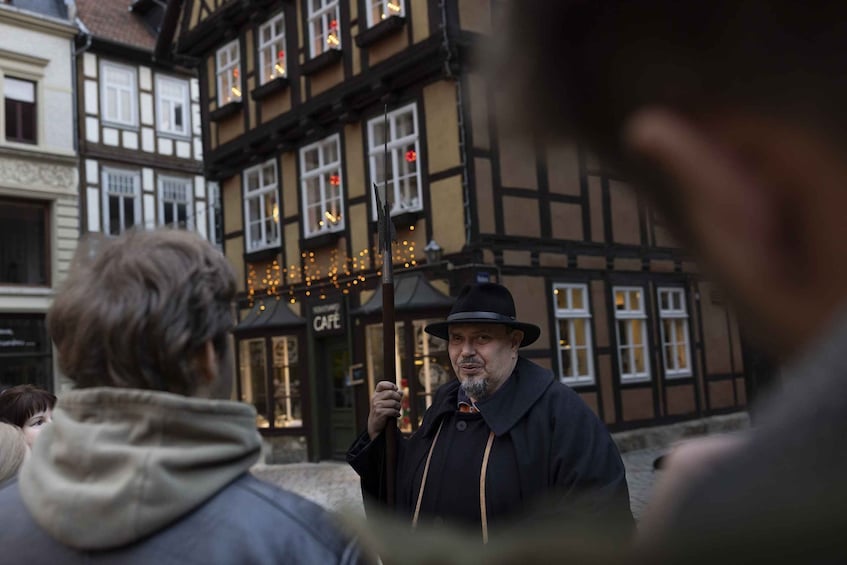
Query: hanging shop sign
(328, 319)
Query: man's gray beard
(476, 388)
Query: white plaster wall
(55, 95)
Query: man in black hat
(504, 441)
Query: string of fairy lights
(314, 277)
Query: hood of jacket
(117, 465)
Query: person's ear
(207, 365)
(517, 338)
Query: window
(631, 330)
(26, 352)
(383, 9)
(673, 314)
(24, 243)
(573, 333)
(272, 49)
(216, 230)
(261, 206)
(403, 173)
(174, 201)
(229, 75)
(118, 94)
(321, 183)
(172, 105)
(19, 107)
(121, 201)
(283, 394)
(324, 32)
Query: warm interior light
(332, 217)
(394, 7)
(236, 91)
(275, 213)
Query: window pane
(287, 401)
(311, 159)
(23, 243)
(114, 215)
(578, 299)
(620, 300)
(561, 296)
(129, 212)
(682, 357)
(253, 378)
(582, 362)
(580, 330)
(565, 359)
(405, 125)
(169, 214)
(330, 152)
(21, 90)
(634, 299)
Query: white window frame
(256, 197)
(162, 98)
(677, 310)
(323, 18)
(186, 183)
(386, 9)
(136, 196)
(105, 88)
(398, 157)
(228, 73)
(213, 190)
(320, 173)
(633, 314)
(274, 45)
(568, 314)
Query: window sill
(226, 111)
(259, 255)
(383, 29)
(276, 85)
(119, 125)
(403, 219)
(322, 240)
(322, 61)
(174, 136)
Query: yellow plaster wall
(327, 78)
(235, 255)
(231, 128)
(292, 253)
(385, 48)
(359, 228)
(290, 185)
(356, 179)
(520, 216)
(232, 202)
(276, 104)
(475, 15)
(420, 19)
(563, 169)
(448, 216)
(442, 129)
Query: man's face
(483, 356)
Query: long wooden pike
(386, 236)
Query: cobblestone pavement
(335, 486)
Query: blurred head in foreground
(13, 450)
(729, 114)
(28, 407)
(149, 310)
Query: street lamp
(433, 252)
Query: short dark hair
(586, 65)
(19, 403)
(139, 311)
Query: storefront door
(340, 397)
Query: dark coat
(565, 456)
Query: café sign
(328, 318)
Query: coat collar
(502, 410)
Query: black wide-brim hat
(486, 303)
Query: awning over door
(411, 292)
(269, 314)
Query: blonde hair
(13, 450)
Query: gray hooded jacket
(134, 476)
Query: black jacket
(567, 462)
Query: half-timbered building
(139, 126)
(308, 103)
(39, 207)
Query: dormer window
(380, 10)
(229, 74)
(272, 59)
